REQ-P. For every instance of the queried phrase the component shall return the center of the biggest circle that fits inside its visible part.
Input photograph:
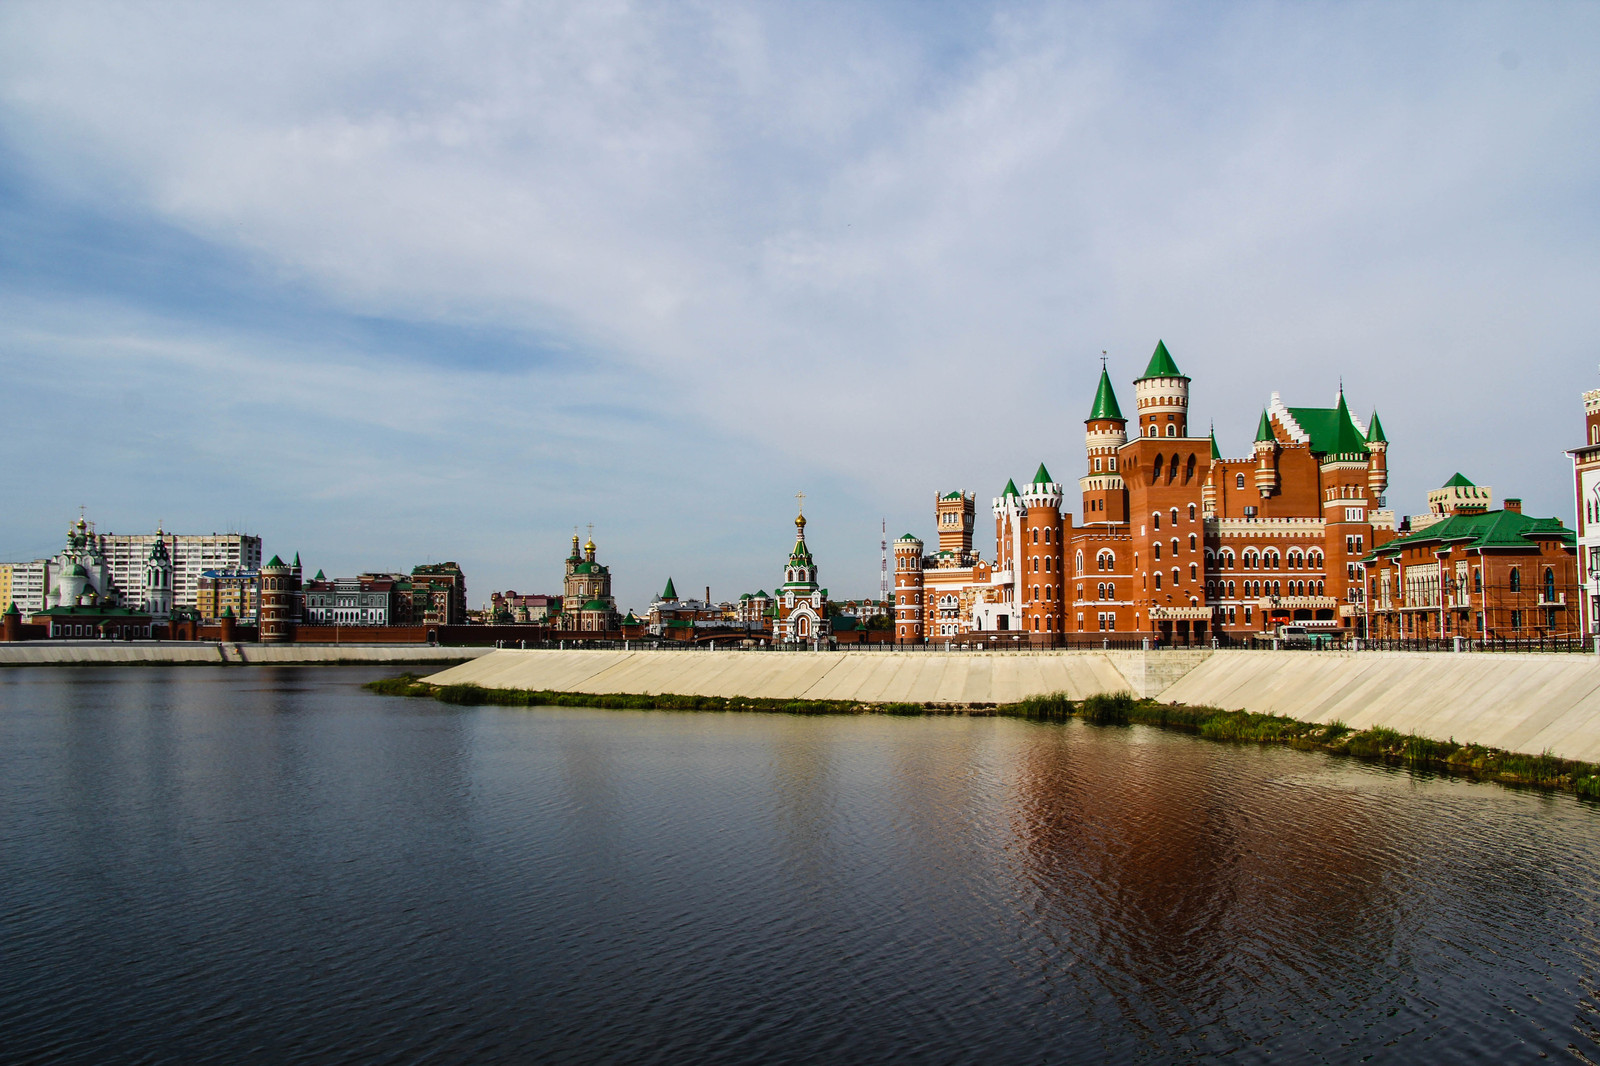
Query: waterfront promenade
(104, 652)
(1520, 702)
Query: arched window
(1158, 581)
(1172, 430)
(1192, 574)
(1174, 577)
(1047, 564)
(1172, 470)
(1192, 543)
(1155, 520)
(1100, 591)
(1111, 590)
(1155, 430)
(1276, 589)
(1549, 585)
(1188, 469)
(1156, 548)
(1230, 590)
(1080, 562)
(1319, 588)
(1238, 481)
(1191, 512)
(1036, 564)
(1516, 580)
(1210, 559)
(1155, 471)
(1477, 580)
(1047, 534)
(1174, 516)
(1036, 536)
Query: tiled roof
(1493, 529)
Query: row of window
(1267, 560)
(1225, 589)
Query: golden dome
(589, 547)
(800, 521)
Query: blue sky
(390, 284)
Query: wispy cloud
(662, 264)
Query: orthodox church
(801, 604)
(586, 602)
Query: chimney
(708, 594)
(1514, 505)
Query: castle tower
(158, 580)
(1161, 395)
(955, 513)
(276, 595)
(1266, 449)
(1009, 517)
(1042, 555)
(1105, 496)
(908, 588)
(1378, 469)
(1208, 492)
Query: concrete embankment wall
(878, 677)
(1529, 703)
(110, 653)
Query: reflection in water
(270, 864)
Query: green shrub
(1108, 708)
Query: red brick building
(1175, 541)
(1484, 575)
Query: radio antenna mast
(883, 563)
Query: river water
(271, 865)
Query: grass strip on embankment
(1212, 723)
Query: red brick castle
(1173, 540)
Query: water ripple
(272, 865)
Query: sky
(393, 283)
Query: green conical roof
(1042, 477)
(1458, 482)
(1216, 453)
(1010, 489)
(275, 561)
(669, 593)
(1347, 439)
(319, 577)
(630, 620)
(1375, 431)
(1105, 400)
(13, 608)
(1161, 364)
(227, 612)
(1264, 430)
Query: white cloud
(917, 232)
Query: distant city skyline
(444, 291)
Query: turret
(908, 588)
(1378, 468)
(956, 513)
(12, 628)
(1010, 514)
(277, 595)
(1106, 431)
(1208, 491)
(1162, 397)
(1266, 450)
